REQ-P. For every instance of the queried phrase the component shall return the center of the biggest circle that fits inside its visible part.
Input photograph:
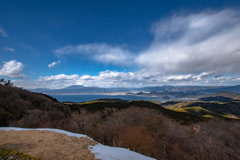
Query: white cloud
(191, 77)
(12, 69)
(195, 49)
(3, 33)
(138, 79)
(86, 77)
(8, 49)
(51, 82)
(54, 64)
(100, 52)
(225, 79)
(60, 77)
(108, 79)
(196, 43)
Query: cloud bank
(108, 79)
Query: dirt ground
(48, 145)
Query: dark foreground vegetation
(141, 126)
(6, 154)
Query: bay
(82, 98)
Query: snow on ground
(44, 129)
(100, 151)
(115, 153)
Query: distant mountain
(184, 90)
(203, 89)
(175, 94)
(76, 89)
(39, 90)
(162, 88)
(227, 94)
(222, 97)
(217, 98)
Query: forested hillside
(141, 126)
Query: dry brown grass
(47, 145)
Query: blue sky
(55, 44)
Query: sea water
(82, 98)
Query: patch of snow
(115, 153)
(44, 129)
(100, 151)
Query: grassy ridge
(227, 110)
(199, 111)
(94, 106)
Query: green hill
(207, 109)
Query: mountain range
(157, 90)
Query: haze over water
(81, 98)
